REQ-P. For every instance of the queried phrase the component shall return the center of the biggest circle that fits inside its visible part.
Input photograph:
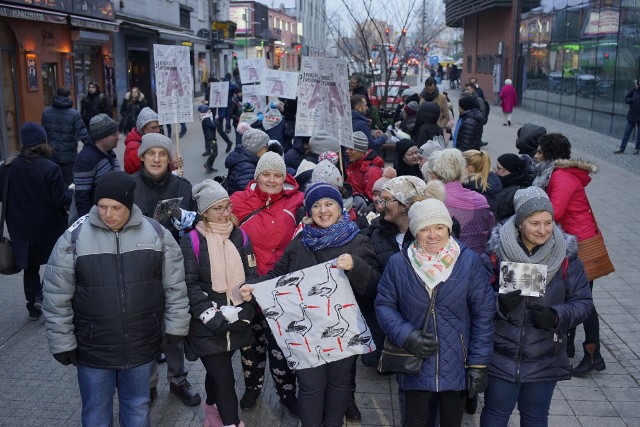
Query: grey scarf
(552, 253)
(543, 174)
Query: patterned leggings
(254, 360)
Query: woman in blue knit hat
(328, 234)
(37, 205)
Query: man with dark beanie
(113, 286)
(468, 132)
(94, 160)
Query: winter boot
(571, 346)
(592, 360)
(211, 415)
(353, 413)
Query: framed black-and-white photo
(531, 279)
(32, 72)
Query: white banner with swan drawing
(314, 316)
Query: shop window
(185, 18)
(478, 64)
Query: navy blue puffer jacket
(242, 166)
(468, 133)
(64, 128)
(525, 354)
(464, 309)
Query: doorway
(139, 72)
(9, 140)
(49, 82)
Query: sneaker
(161, 358)
(352, 413)
(186, 393)
(291, 403)
(619, 152)
(34, 314)
(249, 399)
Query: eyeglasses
(385, 202)
(221, 210)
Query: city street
(35, 390)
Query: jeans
(220, 385)
(97, 387)
(324, 393)
(533, 401)
(420, 407)
(627, 134)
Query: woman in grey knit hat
(530, 330)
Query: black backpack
(487, 108)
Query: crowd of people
(142, 267)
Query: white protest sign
(251, 93)
(323, 99)
(219, 94)
(281, 84)
(174, 83)
(251, 70)
(314, 316)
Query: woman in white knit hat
(218, 258)
(458, 349)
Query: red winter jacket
(570, 204)
(272, 228)
(132, 143)
(363, 173)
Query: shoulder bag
(396, 359)
(7, 256)
(593, 254)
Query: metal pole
(246, 33)
(422, 47)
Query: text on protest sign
(281, 84)
(218, 94)
(174, 82)
(251, 70)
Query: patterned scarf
(338, 234)
(227, 270)
(552, 253)
(434, 268)
(543, 171)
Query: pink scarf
(434, 268)
(227, 270)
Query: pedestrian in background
(132, 104)
(36, 211)
(64, 127)
(633, 118)
(113, 286)
(209, 132)
(467, 134)
(147, 122)
(93, 103)
(508, 101)
(218, 258)
(529, 356)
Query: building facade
(47, 46)
(312, 26)
(571, 60)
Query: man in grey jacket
(114, 279)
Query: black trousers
(32, 285)
(221, 131)
(254, 360)
(324, 393)
(220, 386)
(212, 147)
(591, 325)
(450, 404)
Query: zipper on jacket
(464, 349)
(123, 305)
(520, 344)
(229, 332)
(435, 334)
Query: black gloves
(239, 326)
(509, 301)
(171, 339)
(66, 358)
(360, 204)
(543, 317)
(477, 380)
(421, 346)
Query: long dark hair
(41, 150)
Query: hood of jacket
(428, 112)
(239, 155)
(127, 97)
(569, 239)
(528, 135)
(580, 168)
(62, 102)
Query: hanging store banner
(174, 83)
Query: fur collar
(575, 163)
(570, 240)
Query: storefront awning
(32, 15)
(93, 24)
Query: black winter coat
(149, 192)
(201, 340)
(92, 105)
(426, 125)
(64, 128)
(242, 166)
(209, 129)
(469, 133)
(363, 277)
(504, 199)
(383, 237)
(633, 99)
(36, 203)
(129, 111)
(495, 185)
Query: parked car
(394, 93)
